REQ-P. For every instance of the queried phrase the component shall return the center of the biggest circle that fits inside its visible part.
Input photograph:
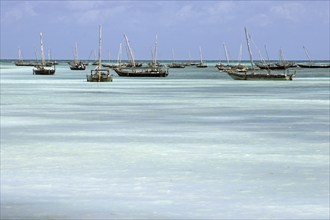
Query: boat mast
(155, 50)
(248, 45)
(49, 55)
(42, 51)
(310, 60)
(200, 51)
(130, 50)
(226, 52)
(260, 56)
(267, 54)
(189, 57)
(76, 53)
(100, 44)
(119, 54)
(36, 53)
(173, 55)
(20, 57)
(282, 56)
(240, 54)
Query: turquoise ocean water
(193, 145)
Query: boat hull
(77, 68)
(313, 66)
(141, 73)
(259, 76)
(24, 64)
(176, 65)
(271, 66)
(96, 78)
(99, 75)
(43, 71)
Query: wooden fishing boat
(99, 74)
(257, 74)
(222, 67)
(77, 64)
(142, 72)
(113, 65)
(135, 71)
(41, 69)
(175, 64)
(239, 67)
(23, 63)
(312, 64)
(154, 63)
(271, 66)
(201, 64)
(20, 61)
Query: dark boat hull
(259, 76)
(24, 64)
(77, 65)
(201, 65)
(271, 66)
(77, 68)
(128, 72)
(176, 65)
(313, 66)
(43, 71)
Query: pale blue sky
(181, 25)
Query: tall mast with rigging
(130, 50)
(100, 45)
(42, 51)
(248, 45)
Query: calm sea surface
(193, 145)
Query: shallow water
(193, 145)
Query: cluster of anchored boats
(255, 71)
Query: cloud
(262, 20)
(221, 8)
(89, 12)
(81, 5)
(18, 12)
(289, 11)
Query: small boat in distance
(312, 64)
(134, 71)
(270, 66)
(99, 74)
(40, 69)
(257, 74)
(20, 61)
(142, 72)
(77, 64)
(201, 64)
(174, 64)
(154, 63)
